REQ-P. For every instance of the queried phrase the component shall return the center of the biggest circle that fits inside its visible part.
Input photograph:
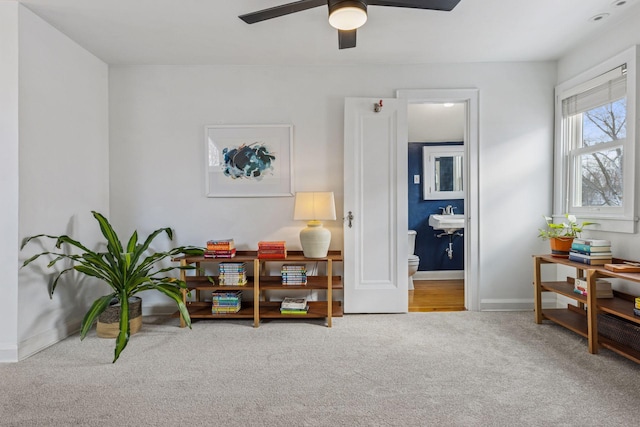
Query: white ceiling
(210, 32)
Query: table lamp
(315, 207)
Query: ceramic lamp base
(315, 240)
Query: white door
(375, 203)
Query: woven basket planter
(109, 321)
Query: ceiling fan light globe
(348, 17)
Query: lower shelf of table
(268, 310)
(571, 319)
(576, 320)
(317, 309)
(202, 310)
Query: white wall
(63, 170)
(157, 115)
(585, 56)
(9, 181)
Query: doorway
(469, 98)
(436, 139)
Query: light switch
(416, 179)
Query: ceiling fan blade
(285, 9)
(346, 39)
(445, 5)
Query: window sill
(612, 225)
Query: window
(595, 130)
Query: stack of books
(220, 249)
(294, 306)
(232, 274)
(603, 287)
(225, 302)
(294, 274)
(272, 250)
(591, 251)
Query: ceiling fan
(345, 15)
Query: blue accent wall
(431, 249)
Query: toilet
(414, 261)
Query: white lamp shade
(314, 206)
(348, 18)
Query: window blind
(602, 90)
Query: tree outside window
(599, 160)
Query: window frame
(615, 219)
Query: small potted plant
(561, 235)
(126, 269)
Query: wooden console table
(258, 283)
(583, 317)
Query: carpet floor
(416, 369)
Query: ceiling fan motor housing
(339, 4)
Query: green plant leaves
(126, 272)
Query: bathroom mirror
(442, 172)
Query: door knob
(349, 217)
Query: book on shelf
(588, 249)
(293, 311)
(224, 244)
(279, 255)
(603, 287)
(272, 249)
(294, 274)
(223, 302)
(592, 242)
(588, 261)
(278, 244)
(294, 267)
(629, 267)
(292, 303)
(220, 253)
(595, 255)
(232, 274)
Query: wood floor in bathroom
(437, 295)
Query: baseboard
(515, 304)
(8, 353)
(439, 275)
(39, 342)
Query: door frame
(470, 97)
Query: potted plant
(561, 235)
(127, 270)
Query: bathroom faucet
(448, 210)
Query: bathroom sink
(448, 223)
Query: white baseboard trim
(516, 304)
(39, 342)
(8, 353)
(439, 275)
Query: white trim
(45, 339)
(470, 97)
(507, 304)
(8, 353)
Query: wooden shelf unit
(583, 317)
(257, 284)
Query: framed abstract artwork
(249, 160)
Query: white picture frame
(249, 160)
